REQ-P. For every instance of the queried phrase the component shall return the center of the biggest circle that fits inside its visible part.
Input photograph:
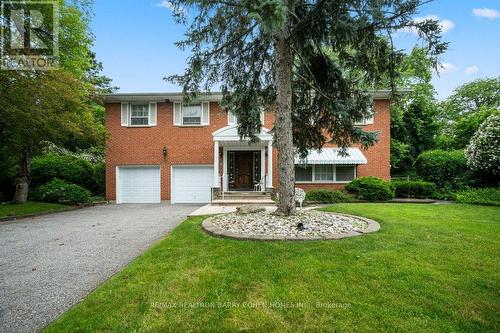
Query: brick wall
(194, 145)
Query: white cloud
(446, 68)
(486, 13)
(167, 4)
(446, 25)
(471, 70)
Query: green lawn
(28, 208)
(430, 268)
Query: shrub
(483, 152)
(481, 196)
(447, 169)
(414, 189)
(328, 196)
(371, 189)
(59, 191)
(99, 178)
(65, 167)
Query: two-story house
(161, 149)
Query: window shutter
(177, 114)
(152, 114)
(231, 118)
(205, 113)
(262, 118)
(125, 111)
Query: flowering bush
(483, 152)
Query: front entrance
(244, 170)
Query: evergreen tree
(278, 54)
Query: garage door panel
(191, 184)
(139, 184)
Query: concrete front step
(221, 202)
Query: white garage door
(138, 184)
(191, 184)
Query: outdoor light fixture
(164, 150)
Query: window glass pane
(303, 174)
(323, 172)
(139, 114)
(345, 173)
(191, 114)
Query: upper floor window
(191, 114)
(138, 114)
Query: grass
(430, 268)
(8, 210)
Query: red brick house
(159, 149)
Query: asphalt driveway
(49, 263)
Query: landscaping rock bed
(306, 225)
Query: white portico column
(269, 164)
(216, 164)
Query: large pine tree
(311, 61)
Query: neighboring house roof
(214, 96)
(332, 156)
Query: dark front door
(243, 169)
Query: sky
(134, 39)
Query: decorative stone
(249, 209)
(266, 226)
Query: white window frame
(185, 107)
(126, 114)
(334, 181)
(130, 117)
(204, 106)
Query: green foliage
(447, 169)
(481, 196)
(65, 167)
(413, 116)
(99, 178)
(337, 57)
(462, 113)
(414, 189)
(328, 196)
(459, 133)
(483, 152)
(59, 191)
(371, 189)
(471, 96)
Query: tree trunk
(283, 126)
(23, 178)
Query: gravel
(314, 224)
(49, 263)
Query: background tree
(465, 110)
(413, 116)
(54, 106)
(271, 53)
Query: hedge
(371, 189)
(59, 191)
(328, 196)
(447, 169)
(70, 169)
(414, 189)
